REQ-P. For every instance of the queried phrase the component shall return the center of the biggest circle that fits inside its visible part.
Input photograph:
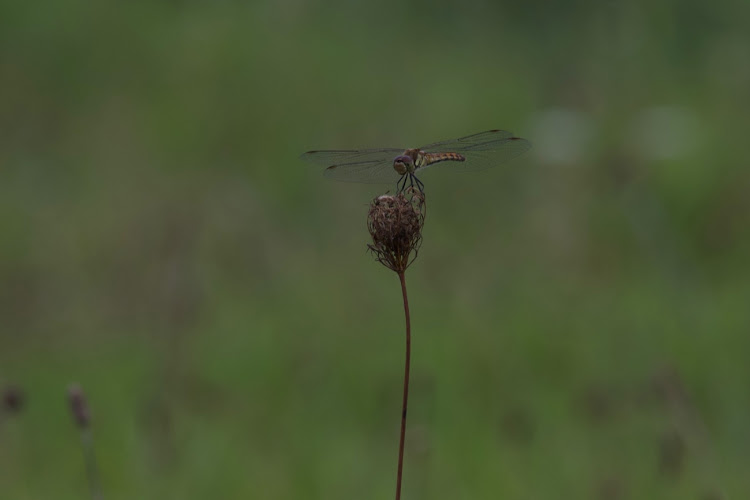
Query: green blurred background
(580, 315)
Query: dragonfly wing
(371, 166)
(337, 157)
(482, 151)
(470, 142)
(368, 172)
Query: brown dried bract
(395, 224)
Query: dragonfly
(401, 165)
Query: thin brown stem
(406, 387)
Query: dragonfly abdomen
(430, 158)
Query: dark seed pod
(395, 224)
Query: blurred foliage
(580, 315)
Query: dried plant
(79, 408)
(395, 224)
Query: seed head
(78, 406)
(395, 224)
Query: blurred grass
(161, 244)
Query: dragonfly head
(403, 164)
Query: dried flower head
(78, 406)
(395, 224)
(13, 399)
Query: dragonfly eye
(406, 160)
(401, 164)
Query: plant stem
(92, 471)
(406, 386)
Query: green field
(580, 315)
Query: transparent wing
(340, 157)
(371, 166)
(482, 151)
(368, 172)
(469, 142)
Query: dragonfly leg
(401, 184)
(420, 184)
(413, 179)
